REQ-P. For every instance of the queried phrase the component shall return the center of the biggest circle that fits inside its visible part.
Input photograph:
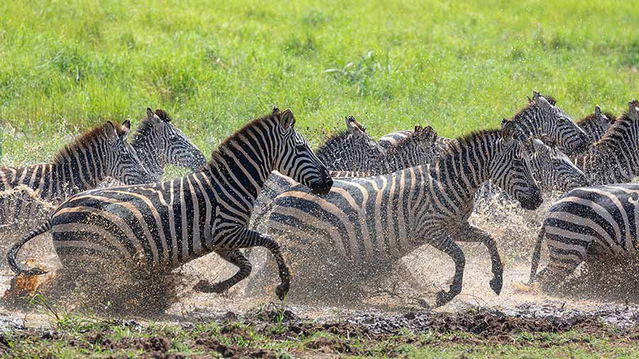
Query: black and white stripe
(600, 219)
(158, 143)
(615, 157)
(161, 226)
(100, 153)
(366, 222)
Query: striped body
(100, 153)
(596, 124)
(160, 226)
(615, 157)
(601, 218)
(366, 222)
(601, 221)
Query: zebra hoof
(282, 290)
(496, 284)
(205, 287)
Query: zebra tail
(13, 252)
(536, 254)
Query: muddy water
(409, 288)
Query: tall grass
(66, 66)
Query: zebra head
(510, 169)
(121, 160)
(552, 169)
(172, 146)
(543, 118)
(295, 158)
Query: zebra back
(596, 124)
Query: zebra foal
(368, 222)
(160, 226)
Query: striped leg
(471, 233)
(446, 245)
(236, 258)
(247, 238)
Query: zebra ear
(507, 129)
(354, 127)
(633, 110)
(149, 113)
(597, 110)
(275, 110)
(287, 120)
(126, 127)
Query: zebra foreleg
(471, 233)
(236, 258)
(446, 245)
(247, 238)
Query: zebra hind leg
(446, 245)
(236, 258)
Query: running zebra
(602, 219)
(365, 223)
(100, 153)
(351, 150)
(615, 157)
(590, 221)
(160, 226)
(158, 143)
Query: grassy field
(74, 337)
(68, 65)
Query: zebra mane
(242, 132)
(593, 116)
(147, 125)
(333, 140)
(530, 104)
(86, 138)
(624, 121)
(469, 139)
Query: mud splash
(409, 289)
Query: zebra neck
(466, 166)
(607, 163)
(72, 175)
(239, 177)
(152, 158)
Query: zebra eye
(300, 147)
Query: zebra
(81, 165)
(615, 157)
(588, 221)
(415, 148)
(596, 124)
(592, 219)
(351, 150)
(158, 143)
(158, 227)
(363, 223)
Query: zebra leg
(234, 257)
(471, 233)
(446, 245)
(246, 238)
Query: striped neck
(77, 171)
(151, 156)
(467, 164)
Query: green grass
(75, 337)
(66, 66)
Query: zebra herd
(361, 203)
